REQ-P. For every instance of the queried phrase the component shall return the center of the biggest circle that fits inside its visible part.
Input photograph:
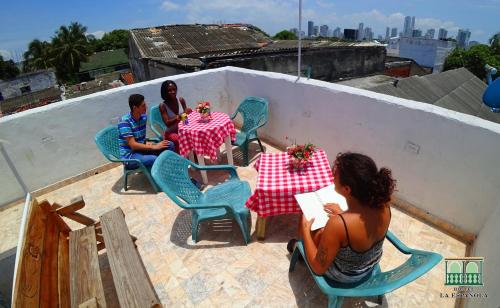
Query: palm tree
(70, 49)
(38, 56)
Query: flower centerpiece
(300, 154)
(184, 118)
(203, 109)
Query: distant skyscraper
(394, 32)
(360, 31)
(409, 26)
(463, 37)
(337, 33)
(430, 34)
(315, 30)
(442, 34)
(387, 30)
(350, 34)
(368, 34)
(310, 28)
(417, 33)
(323, 31)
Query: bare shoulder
(335, 229)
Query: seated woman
(169, 110)
(350, 245)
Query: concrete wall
(36, 81)
(455, 168)
(327, 64)
(424, 51)
(487, 246)
(159, 70)
(137, 64)
(55, 142)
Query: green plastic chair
(156, 122)
(226, 200)
(107, 142)
(419, 263)
(255, 113)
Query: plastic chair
(419, 263)
(156, 122)
(255, 113)
(107, 142)
(226, 200)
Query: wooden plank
(85, 274)
(131, 280)
(91, 303)
(48, 281)
(76, 204)
(27, 284)
(84, 220)
(63, 271)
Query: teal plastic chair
(255, 113)
(107, 142)
(419, 263)
(156, 122)
(226, 200)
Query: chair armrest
(234, 115)
(397, 243)
(201, 206)
(231, 169)
(153, 139)
(155, 131)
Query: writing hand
(161, 145)
(306, 224)
(332, 209)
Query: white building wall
(36, 81)
(425, 52)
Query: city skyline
(23, 21)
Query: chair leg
(293, 260)
(335, 301)
(194, 227)
(125, 187)
(242, 222)
(244, 150)
(260, 144)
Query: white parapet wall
(56, 142)
(445, 162)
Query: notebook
(311, 204)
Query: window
(25, 89)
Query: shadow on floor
(138, 184)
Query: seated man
(132, 128)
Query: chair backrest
(255, 112)
(108, 144)
(170, 172)
(156, 122)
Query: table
(278, 183)
(205, 138)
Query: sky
(23, 21)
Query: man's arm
(137, 146)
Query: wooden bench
(60, 267)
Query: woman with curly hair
(350, 245)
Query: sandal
(291, 245)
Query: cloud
(97, 34)
(325, 4)
(7, 55)
(169, 6)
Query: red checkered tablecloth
(278, 183)
(205, 138)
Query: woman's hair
(369, 185)
(164, 88)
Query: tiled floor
(220, 270)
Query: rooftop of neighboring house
(105, 59)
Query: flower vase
(205, 117)
(298, 163)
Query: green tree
(285, 35)
(115, 39)
(8, 69)
(38, 56)
(495, 43)
(473, 59)
(70, 48)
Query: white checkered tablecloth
(205, 138)
(278, 183)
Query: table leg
(261, 227)
(191, 156)
(201, 162)
(229, 150)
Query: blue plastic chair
(107, 142)
(226, 200)
(255, 113)
(156, 122)
(419, 263)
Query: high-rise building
(310, 28)
(350, 34)
(442, 34)
(463, 37)
(360, 31)
(409, 26)
(315, 30)
(394, 32)
(417, 33)
(387, 30)
(430, 33)
(337, 33)
(368, 35)
(323, 31)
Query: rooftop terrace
(444, 162)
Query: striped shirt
(128, 127)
